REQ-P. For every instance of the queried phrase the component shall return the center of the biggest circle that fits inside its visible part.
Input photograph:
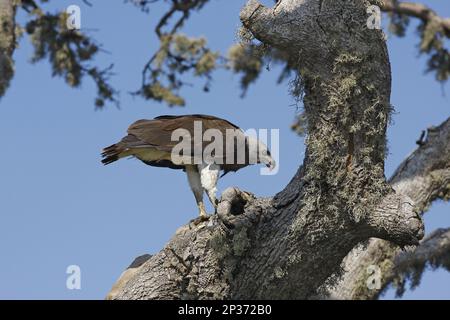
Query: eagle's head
(262, 152)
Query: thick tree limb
(424, 176)
(7, 43)
(288, 245)
(416, 10)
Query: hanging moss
(160, 93)
(69, 52)
(7, 72)
(178, 54)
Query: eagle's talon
(200, 219)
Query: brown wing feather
(113, 152)
(157, 133)
(201, 117)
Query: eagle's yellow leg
(201, 209)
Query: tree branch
(434, 251)
(176, 55)
(416, 10)
(424, 176)
(7, 43)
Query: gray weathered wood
(424, 176)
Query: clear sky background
(60, 206)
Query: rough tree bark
(287, 246)
(7, 43)
(424, 176)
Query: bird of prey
(152, 142)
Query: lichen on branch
(70, 52)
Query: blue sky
(60, 206)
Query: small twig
(421, 140)
(416, 10)
(87, 3)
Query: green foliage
(160, 93)
(248, 57)
(432, 42)
(300, 124)
(69, 52)
(246, 60)
(177, 55)
(6, 71)
(433, 254)
(433, 38)
(398, 23)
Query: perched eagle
(153, 142)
